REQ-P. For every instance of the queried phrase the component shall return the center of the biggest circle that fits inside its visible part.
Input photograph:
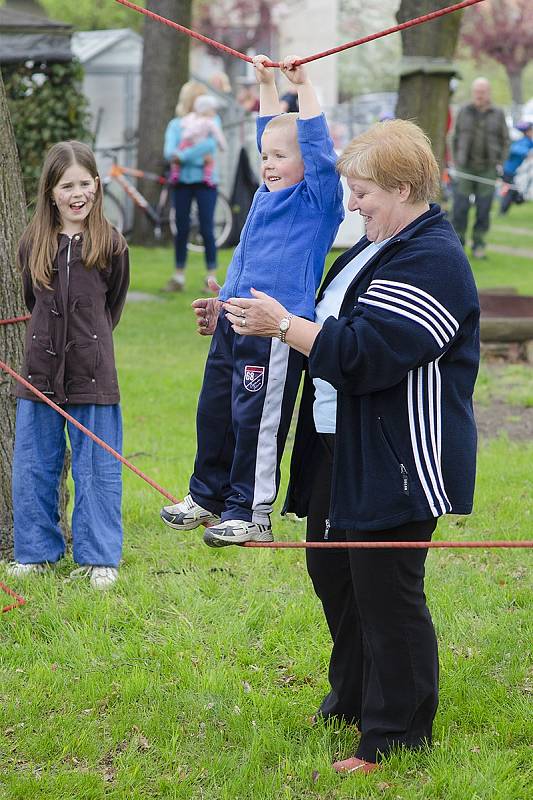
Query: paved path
(139, 297)
(516, 231)
(521, 252)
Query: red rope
(274, 545)
(384, 545)
(402, 26)
(15, 319)
(85, 430)
(20, 601)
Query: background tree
(87, 15)
(373, 67)
(46, 105)
(240, 24)
(503, 31)
(428, 50)
(165, 69)
(12, 221)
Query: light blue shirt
(325, 405)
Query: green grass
(195, 677)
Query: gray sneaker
(99, 577)
(18, 570)
(237, 531)
(186, 515)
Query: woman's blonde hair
(188, 94)
(39, 242)
(391, 153)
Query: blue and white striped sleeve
(395, 327)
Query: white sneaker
(100, 577)
(186, 515)
(103, 577)
(237, 531)
(18, 570)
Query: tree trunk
(165, 69)
(12, 221)
(517, 93)
(428, 50)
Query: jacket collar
(432, 215)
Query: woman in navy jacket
(386, 437)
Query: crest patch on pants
(254, 378)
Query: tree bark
(165, 69)
(12, 221)
(428, 50)
(515, 82)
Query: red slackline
(15, 319)
(402, 26)
(20, 601)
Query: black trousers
(383, 669)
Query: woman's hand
(257, 316)
(207, 310)
(297, 75)
(263, 74)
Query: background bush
(47, 105)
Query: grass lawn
(195, 678)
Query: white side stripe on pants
(267, 442)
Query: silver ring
(243, 321)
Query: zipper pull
(326, 531)
(405, 478)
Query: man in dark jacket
(480, 143)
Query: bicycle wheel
(223, 224)
(114, 211)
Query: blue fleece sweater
(288, 233)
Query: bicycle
(163, 214)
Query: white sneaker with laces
(100, 577)
(103, 577)
(18, 570)
(237, 531)
(186, 515)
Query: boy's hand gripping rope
(275, 545)
(402, 26)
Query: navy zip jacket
(403, 356)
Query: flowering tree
(240, 24)
(502, 30)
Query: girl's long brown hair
(39, 243)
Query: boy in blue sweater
(250, 383)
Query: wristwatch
(284, 325)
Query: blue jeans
(206, 198)
(37, 465)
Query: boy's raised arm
(269, 105)
(307, 100)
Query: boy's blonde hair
(391, 153)
(287, 123)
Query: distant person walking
(518, 152)
(480, 143)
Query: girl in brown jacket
(75, 273)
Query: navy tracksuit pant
(243, 417)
